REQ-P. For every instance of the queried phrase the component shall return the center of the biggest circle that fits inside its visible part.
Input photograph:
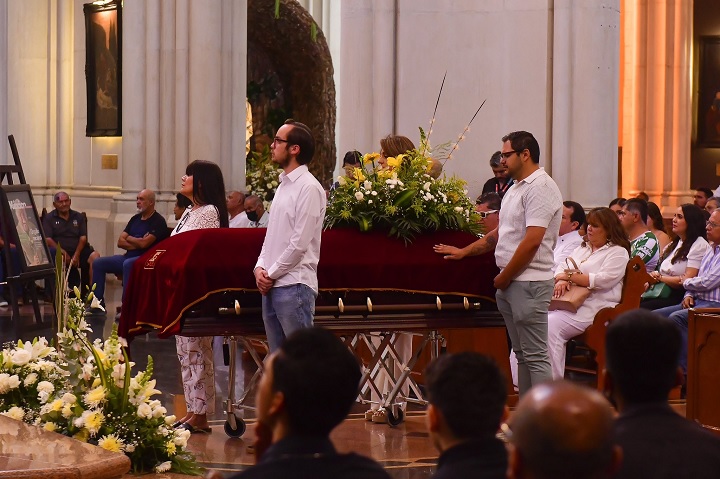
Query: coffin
(183, 272)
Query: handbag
(574, 297)
(658, 290)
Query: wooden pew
(703, 381)
(594, 337)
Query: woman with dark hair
(204, 186)
(601, 258)
(681, 258)
(657, 225)
(617, 204)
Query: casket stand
(201, 283)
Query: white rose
(426, 186)
(374, 193)
(13, 381)
(458, 209)
(341, 181)
(359, 196)
(367, 185)
(144, 411)
(169, 420)
(21, 357)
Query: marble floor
(405, 451)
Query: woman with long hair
(681, 258)
(602, 259)
(204, 186)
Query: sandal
(193, 429)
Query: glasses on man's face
(711, 224)
(508, 154)
(484, 214)
(279, 140)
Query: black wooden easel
(25, 278)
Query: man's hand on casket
(263, 281)
(449, 252)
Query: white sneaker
(4, 304)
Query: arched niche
(284, 59)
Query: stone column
(656, 103)
(4, 152)
(585, 69)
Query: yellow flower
(369, 157)
(50, 426)
(82, 435)
(111, 443)
(93, 422)
(358, 174)
(394, 162)
(170, 447)
(56, 405)
(95, 396)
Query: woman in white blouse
(681, 258)
(602, 259)
(204, 186)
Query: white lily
(95, 303)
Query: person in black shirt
(501, 181)
(643, 351)
(292, 441)
(467, 394)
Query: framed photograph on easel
(23, 226)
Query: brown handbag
(574, 297)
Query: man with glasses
(523, 242)
(633, 217)
(702, 291)
(488, 207)
(501, 180)
(286, 270)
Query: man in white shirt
(573, 217)
(255, 211)
(236, 210)
(524, 241)
(286, 270)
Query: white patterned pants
(198, 376)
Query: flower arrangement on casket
(86, 391)
(402, 198)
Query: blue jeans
(524, 306)
(117, 264)
(679, 316)
(286, 309)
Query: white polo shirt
(291, 249)
(534, 201)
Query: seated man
(702, 291)
(142, 231)
(633, 217)
(641, 369)
(67, 228)
(236, 209)
(255, 211)
(573, 218)
(466, 395)
(702, 194)
(488, 206)
(562, 431)
(291, 442)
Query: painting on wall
(103, 72)
(709, 92)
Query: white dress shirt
(291, 249)
(565, 245)
(240, 220)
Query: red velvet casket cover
(183, 270)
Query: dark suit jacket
(476, 459)
(658, 443)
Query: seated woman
(681, 258)
(657, 225)
(602, 259)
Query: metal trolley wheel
(395, 419)
(234, 426)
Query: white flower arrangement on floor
(86, 391)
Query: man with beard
(286, 270)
